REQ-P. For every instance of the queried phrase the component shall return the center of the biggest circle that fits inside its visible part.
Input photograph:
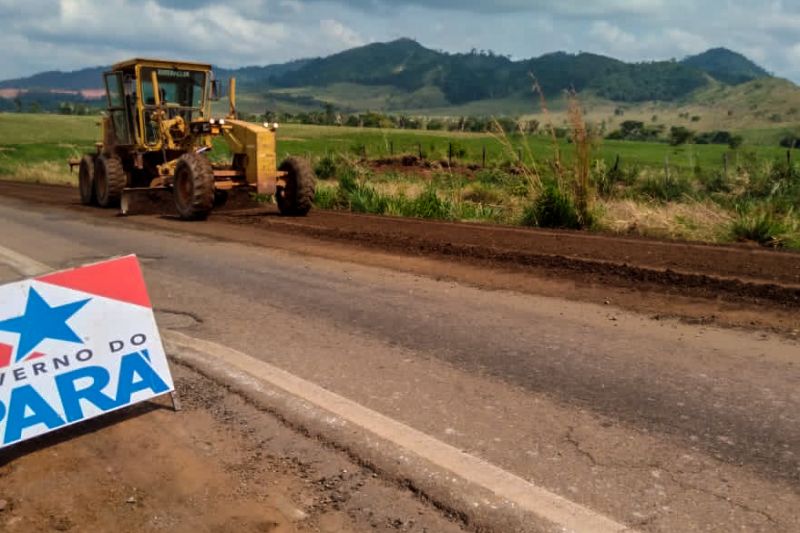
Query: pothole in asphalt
(176, 319)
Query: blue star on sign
(41, 322)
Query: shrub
(365, 199)
(325, 198)
(665, 188)
(481, 194)
(552, 209)
(326, 168)
(716, 182)
(763, 226)
(735, 142)
(610, 180)
(516, 184)
(679, 135)
(427, 205)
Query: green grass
(656, 189)
(36, 147)
(318, 141)
(53, 129)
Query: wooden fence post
(450, 154)
(484, 156)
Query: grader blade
(147, 201)
(160, 201)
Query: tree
(679, 135)
(330, 114)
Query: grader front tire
(109, 181)
(193, 189)
(296, 198)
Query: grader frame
(157, 132)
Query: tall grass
(581, 178)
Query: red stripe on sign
(119, 279)
(5, 354)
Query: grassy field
(315, 141)
(37, 147)
(685, 192)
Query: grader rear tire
(86, 181)
(297, 197)
(109, 181)
(193, 188)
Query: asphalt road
(661, 425)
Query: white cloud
(612, 35)
(46, 34)
(334, 29)
(686, 42)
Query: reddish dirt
(735, 285)
(219, 465)
(411, 164)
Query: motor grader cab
(158, 133)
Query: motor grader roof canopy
(161, 63)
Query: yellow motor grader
(157, 135)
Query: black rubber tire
(109, 181)
(193, 188)
(86, 181)
(297, 197)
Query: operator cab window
(182, 94)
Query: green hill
(726, 66)
(463, 78)
(403, 76)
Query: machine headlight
(222, 122)
(212, 121)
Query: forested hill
(407, 66)
(480, 75)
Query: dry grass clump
(694, 221)
(48, 172)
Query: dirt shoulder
(739, 286)
(218, 465)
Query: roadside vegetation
(560, 177)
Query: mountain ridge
(409, 67)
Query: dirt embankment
(658, 273)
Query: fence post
(364, 151)
(666, 166)
(391, 148)
(419, 149)
(484, 156)
(519, 154)
(616, 164)
(725, 163)
(789, 157)
(450, 154)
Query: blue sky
(68, 34)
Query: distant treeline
(47, 102)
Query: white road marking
(528, 496)
(556, 509)
(23, 264)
